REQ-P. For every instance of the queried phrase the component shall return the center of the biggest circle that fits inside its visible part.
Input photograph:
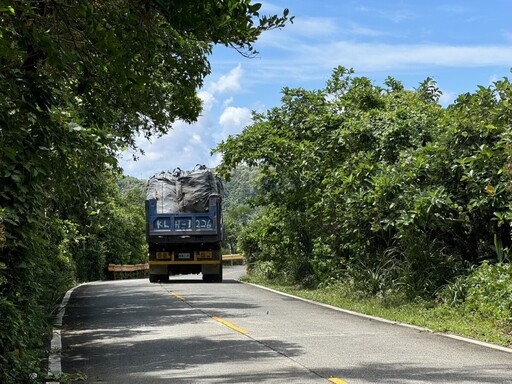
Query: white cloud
(359, 30)
(317, 60)
(208, 99)
(229, 82)
(186, 145)
(313, 27)
(301, 62)
(447, 98)
(453, 9)
(235, 116)
(395, 15)
(233, 120)
(302, 29)
(385, 56)
(196, 138)
(228, 102)
(268, 7)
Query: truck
(184, 224)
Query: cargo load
(183, 192)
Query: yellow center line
(243, 331)
(178, 296)
(335, 380)
(231, 325)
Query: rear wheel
(156, 278)
(153, 278)
(214, 278)
(164, 278)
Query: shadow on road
(137, 332)
(125, 354)
(409, 373)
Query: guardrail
(233, 259)
(128, 271)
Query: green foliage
(237, 206)
(484, 294)
(378, 186)
(489, 292)
(30, 292)
(78, 82)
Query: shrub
(489, 292)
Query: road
(131, 331)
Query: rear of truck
(184, 226)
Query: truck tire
(216, 278)
(209, 278)
(164, 278)
(156, 278)
(153, 278)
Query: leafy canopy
(79, 81)
(378, 184)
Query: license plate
(184, 256)
(163, 255)
(182, 224)
(205, 254)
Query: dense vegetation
(382, 188)
(238, 205)
(79, 81)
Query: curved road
(131, 331)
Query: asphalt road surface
(131, 331)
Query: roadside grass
(457, 320)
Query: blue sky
(460, 44)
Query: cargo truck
(184, 225)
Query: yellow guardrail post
(233, 258)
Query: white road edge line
(382, 320)
(54, 359)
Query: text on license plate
(184, 255)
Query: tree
(237, 205)
(78, 81)
(380, 185)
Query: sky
(461, 44)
